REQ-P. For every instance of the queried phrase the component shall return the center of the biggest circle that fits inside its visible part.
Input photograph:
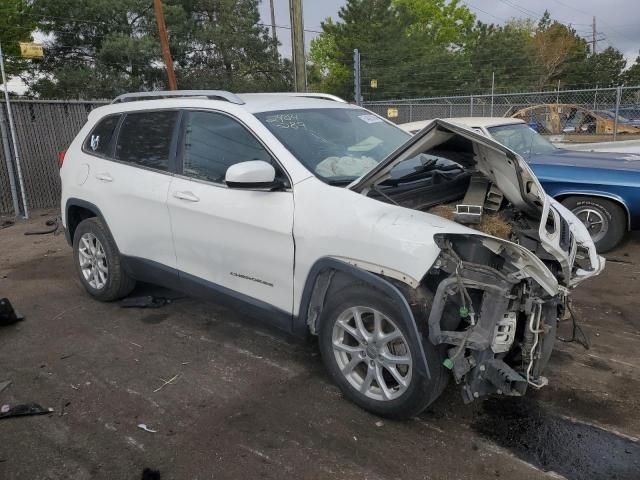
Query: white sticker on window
(369, 118)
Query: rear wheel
(98, 263)
(365, 345)
(605, 220)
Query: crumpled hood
(517, 182)
(507, 170)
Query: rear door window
(145, 139)
(99, 142)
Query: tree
(16, 25)
(404, 46)
(437, 22)
(553, 46)
(504, 50)
(606, 68)
(631, 77)
(101, 48)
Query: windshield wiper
(340, 183)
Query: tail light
(61, 154)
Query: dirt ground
(249, 402)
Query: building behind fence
(46, 127)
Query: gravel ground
(250, 402)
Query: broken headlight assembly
(496, 309)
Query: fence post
(356, 77)
(14, 140)
(7, 157)
(615, 119)
(471, 106)
(493, 84)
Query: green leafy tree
(16, 25)
(101, 48)
(506, 51)
(404, 46)
(631, 76)
(606, 68)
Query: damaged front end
(497, 320)
(506, 266)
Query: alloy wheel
(372, 353)
(93, 261)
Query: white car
(311, 214)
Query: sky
(617, 21)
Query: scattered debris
(149, 474)
(52, 223)
(63, 404)
(166, 382)
(577, 334)
(492, 224)
(24, 410)
(4, 384)
(8, 315)
(146, 429)
(136, 344)
(75, 387)
(7, 223)
(146, 301)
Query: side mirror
(252, 174)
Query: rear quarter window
(100, 140)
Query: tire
(399, 402)
(93, 243)
(611, 215)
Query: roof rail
(209, 94)
(322, 96)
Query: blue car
(602, 189)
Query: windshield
(336, 144)
(522, 139)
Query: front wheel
(605, 220)
(365, 346)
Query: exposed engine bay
(496, 321)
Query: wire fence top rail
(602, 90)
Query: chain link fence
(572, 115)
(43, 128)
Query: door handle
(188, 196)
(104, 177)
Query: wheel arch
(77, 210)
(607, 196)
(329, 274)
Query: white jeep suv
(413, 259)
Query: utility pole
(593, 40)
(164, 42)
(357, 85)
(273, 25)
(297, 45)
